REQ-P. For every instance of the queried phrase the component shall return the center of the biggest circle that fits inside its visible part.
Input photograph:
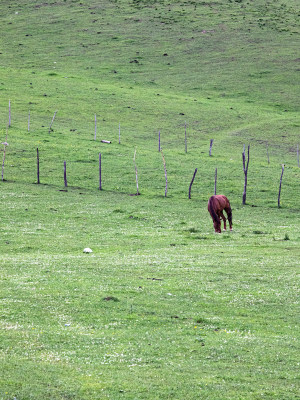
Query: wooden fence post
(192, 181)
(268, 153)
(65, 174)
(9, 114)
(185, 138)
(216, 172)
(136, 174)
(52, 121)
(166, 177)
(159, 141)
(4, 152)
(100, 173)
(282, 169)
(210, 146)
(38, 165)
(245, 167)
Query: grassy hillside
(163, 307)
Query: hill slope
(163, 307)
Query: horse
(216, 205)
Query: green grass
(163, 308)
(195, 312)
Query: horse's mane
(211, 206)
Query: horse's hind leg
(224, 219)
(229, 214)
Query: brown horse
(216, 205)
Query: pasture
(163, 308)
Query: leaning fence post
(65, 174)
(38, 165)
(192, 181)
(280, 185)
(52, 121)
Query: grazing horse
(216, 205)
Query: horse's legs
(229, 214)
(224, 220)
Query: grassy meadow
(163, 308)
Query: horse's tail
(211, 209)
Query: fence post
(52, 121)
(100, 172)
(245, 172)
(282, 169)
(38, 165)
(185, 137)
(268, 153)
(9, 114)
(210, 146)
(4, 153)
(192, 181)
(216, 172)
(136, 174)
(65, 174)
(159, 141)
(166, 177)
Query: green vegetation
(163, 308)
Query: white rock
(87, 250)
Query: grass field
(163, 308)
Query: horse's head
(217, 226)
